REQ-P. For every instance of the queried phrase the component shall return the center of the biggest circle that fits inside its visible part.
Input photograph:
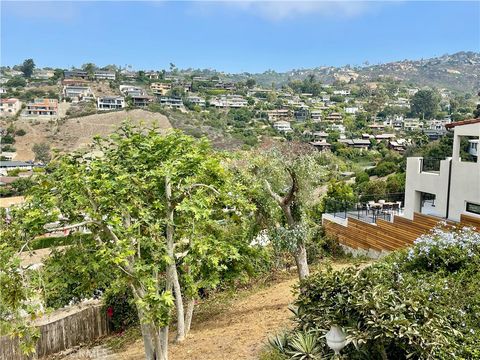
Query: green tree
(284, 177)
(152, 204)
(27, 68)
(42, 152)
(16, 82)
(90, 69)
(425, 103)
(250, 83)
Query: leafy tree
(8, 139)
(22, 185)
(90, 69)
(284, 177)
(42, 152)
(160, 208)
(16, 82)
(27, 68)
(250, 83)
(425, 103)
(339, 194)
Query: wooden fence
(80, 327)
(388, 236)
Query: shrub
(124, 311)
(420, 303)
(20, 132)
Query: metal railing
(430, 164)
(367, 208)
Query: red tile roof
(463, 122)
(11, 100)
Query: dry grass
(75, 133)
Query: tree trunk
(172, 274)
(178, 305)
(148, 342)
(189, 315)
(301, 261)
(162, 343)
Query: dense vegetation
(420, 303)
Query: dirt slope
(240, 332)
(76, 133)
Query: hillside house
(131, 90)
(334, 117)
(141, 100)
(14, 165)
(321, 145)
(446, 188)
(399, 145)
(279, 115)
(229, 101)
(42, 107)
(9, 107)
(110, 103)
(79, 74)
(105, 75)
(196, 100)
(160, 88)
(283, 126)
(127, 74)
(316, 115)
(362, 144)
(341, 92)
(411, 124)
(77, 92)
(152, 75)
(170, 102)
(319, 135)
(301, 114)
(43, 74)
(352, 110)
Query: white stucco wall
(429, 182)
(464, 181)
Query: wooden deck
(388, 236)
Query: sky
(234, 36)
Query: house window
(473, 208)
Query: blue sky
(235, 36)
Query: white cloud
(282, 10)
(47, 10)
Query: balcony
(367, 208)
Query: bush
(420, 303)
(20, 132)
(384, 168)
(124, 311)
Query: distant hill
(460, 72)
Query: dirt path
(240, 332)
(237, 331)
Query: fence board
(80, 327)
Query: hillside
(75, 133)
(460, 72)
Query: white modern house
(110, 103)
(105, 75)
(451, 187)
(282, 126)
